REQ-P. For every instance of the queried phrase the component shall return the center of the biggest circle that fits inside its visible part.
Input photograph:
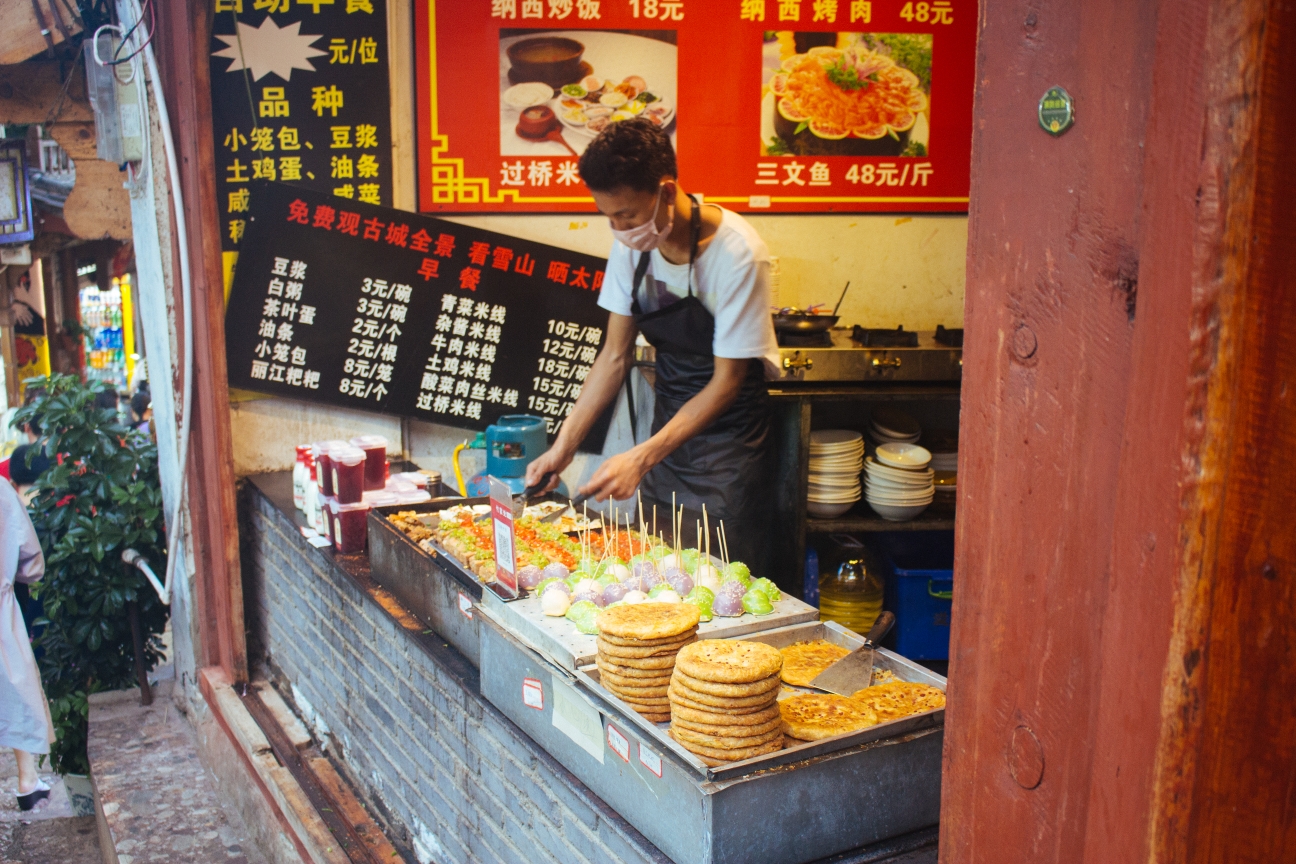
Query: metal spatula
(854, 672)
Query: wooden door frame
(1126, 550)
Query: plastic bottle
(299, 476)
(852, 596)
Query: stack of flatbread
(637, 645)
(723, 700)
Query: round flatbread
(823, 715)
(720, 717)
(655, 718)
(789, 742)
(631, 671)
(802, 661)
(640, 703)
(730, 661)
(649, 620)
(897, 699)
(728, 731)
(609, 639)
(617, 653)
(725, 742)
(633, 690)
(611, 678)
(724, 757)
(645, 664)
(709, 702)
(751, 688)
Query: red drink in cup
(348, 473)
(375, 450)
(350, 527)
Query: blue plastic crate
(919, 590)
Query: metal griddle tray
(587, 675)
(905, 670)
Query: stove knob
(789, 363)
(878, 363)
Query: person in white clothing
(25, 724)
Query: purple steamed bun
(530, 576)
(556, 570)
(680, 581)
(728, 600)
(614, 592)
(595, 597)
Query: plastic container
(324, 466)
(301, 476)
(348, 469)
(920, 591)
(375, 450)
(327, 508)
(381, 498)
(350, 526)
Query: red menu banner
(773, 105)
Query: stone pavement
(51, 836)
(158, 800)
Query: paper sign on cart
(619, 743)
(532, 694)
(576, 719)
(501, 502)
(650, 760)
(465, 605)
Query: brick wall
(455, 780)
(401, 713)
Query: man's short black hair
(633, 154)
(22, 473)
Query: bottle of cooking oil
(852, 596)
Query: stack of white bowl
(836, 458)
(890, 426)
(899, 483)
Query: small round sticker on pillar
(1056, 111)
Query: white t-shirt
(730, 277)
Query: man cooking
(694, 280)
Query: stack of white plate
(836, 458)
(899, 483)
(944, 461)
(889, 426)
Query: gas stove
(861, 354)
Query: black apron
(726, 465)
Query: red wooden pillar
(183, 50)
(1125, 604)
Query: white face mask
(646, 237)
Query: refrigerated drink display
(107, 333)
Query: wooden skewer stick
(706, 528)
(654, 520)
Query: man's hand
(618, 477)
(554, 459)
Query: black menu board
(300, 94)
(381, 310)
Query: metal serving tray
(560, 641)
(792, 807)
(432, 585)
(905, 670)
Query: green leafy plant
(99, 496)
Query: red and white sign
(501, 503)
(532, 694)
(773, 105)
(619, 743)
(650, 760)
(465, 605)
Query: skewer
(654, 520)
(706, 528)
(673, 532)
